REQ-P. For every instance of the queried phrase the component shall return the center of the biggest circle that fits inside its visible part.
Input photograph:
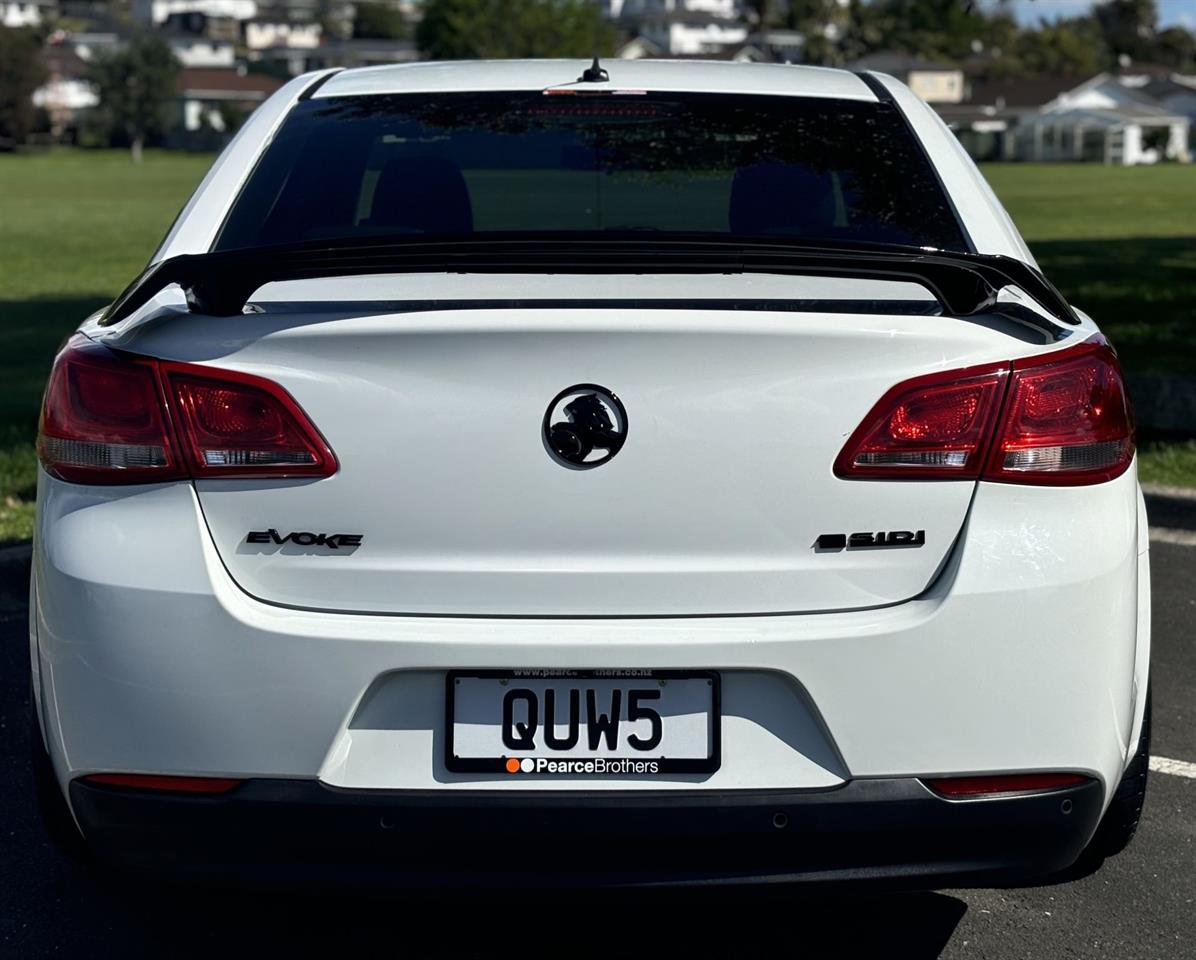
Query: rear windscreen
(463, 164)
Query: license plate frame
(665, 765)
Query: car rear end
(816, 581)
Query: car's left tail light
(110, 418)
(104, 420)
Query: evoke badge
(584, 426)
(333, 541)
(860, 541)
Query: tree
(1066, 48)
(1128, 27)
(21, 72)
(137, 87)
(1176, 48)
(376, 21)
(498, 29)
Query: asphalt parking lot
(1141, 904)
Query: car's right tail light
(1063, 418)
(113, 418)
(1067, 420)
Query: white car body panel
(971, 677)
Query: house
(990, 111)
(66, 93)
(1107, 120)
(691, 32)
(153, 12)
(1121, 136)
(264, 33)
(933, 82)
(27, 13)
(213, 101)
(193, 50)
(202, 25)
(1101, 119)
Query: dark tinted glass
(467, 163)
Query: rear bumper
(892, 831)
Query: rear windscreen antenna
(594, 73)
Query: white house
(26, 13)
(193, 50)
(685, 33)
(264, 33)
(150, 12)
(1108, 120)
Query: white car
(666, 472)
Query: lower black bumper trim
(885, 829)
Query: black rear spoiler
(221, 283)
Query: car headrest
(782, 198)
(425, 194)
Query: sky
(1171, 12)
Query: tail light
(149, 781)
(108, 418)
(932, 427)
(956, 788)
(1067, 420)
(1060, 419)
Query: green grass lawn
(1120, 243)
(75, 227)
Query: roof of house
(653, 75)
(1020, 91)
(226, 81)
(1107, 116)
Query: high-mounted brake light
(1060, 419)
(109, 418)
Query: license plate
(582, 723)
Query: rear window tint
(463, 164)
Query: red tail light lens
(236, 425)
(1060, 419)
(148, 781)
(108, 418)
(103, 420)
(1067, 420)
(932, 427)
(960, 787)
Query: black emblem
(864, 541)
(303, 538)
(584, 426)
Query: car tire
(1120, 822)
(55, 814)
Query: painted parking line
(1185, 538)
(1177, 768)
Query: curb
(1161, 490)
(1172, 508)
